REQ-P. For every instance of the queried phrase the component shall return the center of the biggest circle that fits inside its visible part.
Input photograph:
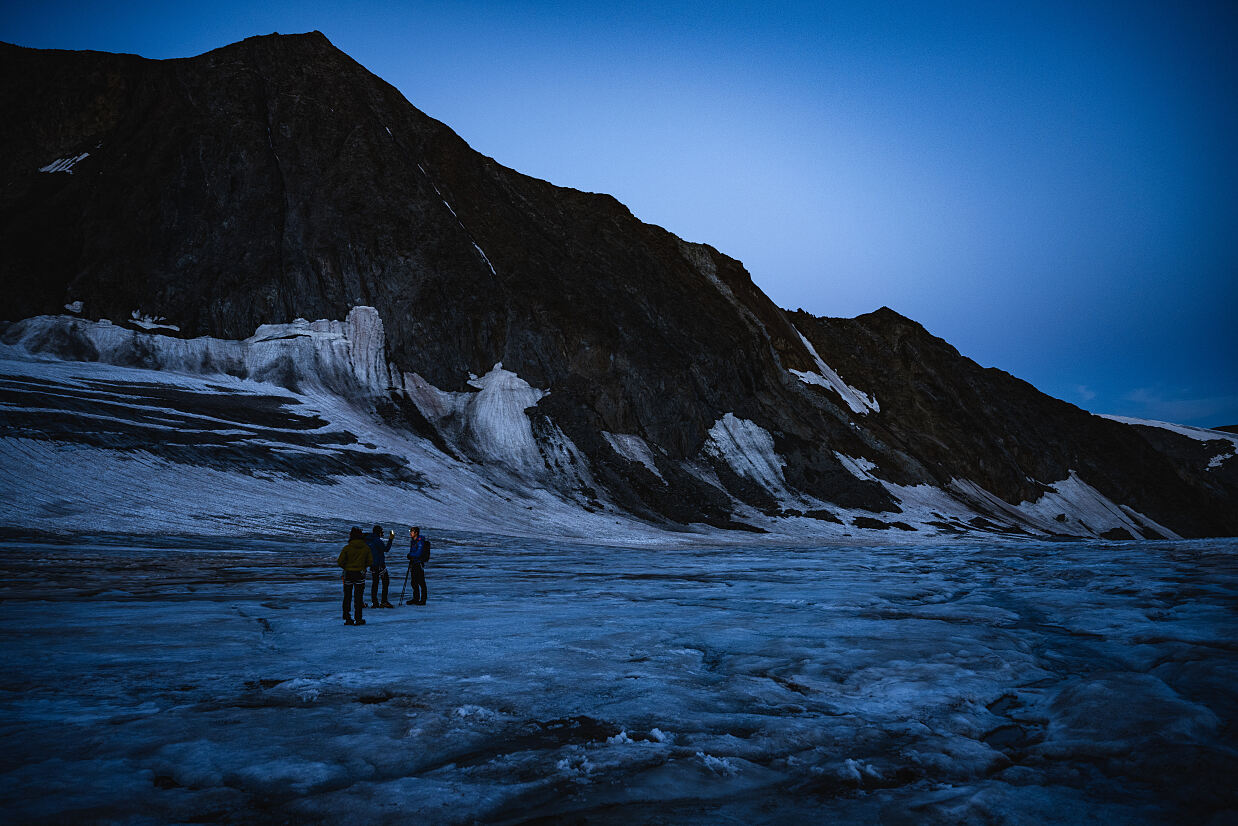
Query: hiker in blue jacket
(418, 554)
(378, 549)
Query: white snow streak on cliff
(1202, 434)
(858, 401)
(484, 257)
(476, 246)
(65, 164)
(859, 468)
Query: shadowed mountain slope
(277, 179)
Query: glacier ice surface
(166, 678)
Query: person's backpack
(425, 550)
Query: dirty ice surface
(174, 679)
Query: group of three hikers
(363, 552)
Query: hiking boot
(348, 621)
(386, 604)
(359, 622)
(374, 605)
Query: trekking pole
(407, 571)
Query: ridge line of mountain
(276, 179)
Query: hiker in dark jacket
(418, 554)
(378, 570)
(354, 559)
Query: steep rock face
(277, 179)
(962, 421)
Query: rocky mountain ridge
(540, 331)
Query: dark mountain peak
(886, 315)
(312, 39)
(312, 46)
(275, 42)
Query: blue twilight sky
(1052, 187)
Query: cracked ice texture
(175, 678)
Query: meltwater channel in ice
(159, 680)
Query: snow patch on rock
(634, 449)
(748, 449)
(435, 404)
(1086, 511)
(495, 420)
(1201, 434)
(925, 504)
(858, 467)
(1221, 458)
(484, 257)
(138, 319)
(492, 425)
(65, 164)
(1087, 508)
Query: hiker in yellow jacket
(354, 559)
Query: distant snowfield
(1199, 434)
(107, 427)
(166, 679)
